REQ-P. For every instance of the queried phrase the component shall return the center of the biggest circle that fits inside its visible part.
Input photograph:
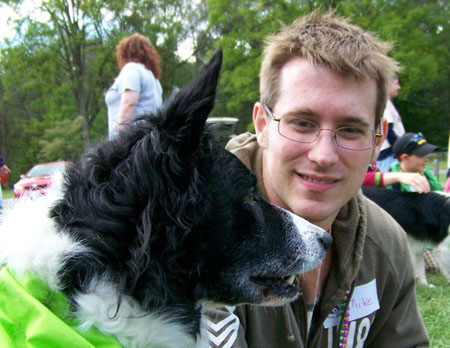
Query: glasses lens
(298, 129)
(355, 138)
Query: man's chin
(318, 214)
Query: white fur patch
(29, 240)
(132, 326)
(310, 234)
(441, 254)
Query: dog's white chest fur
(130, 324)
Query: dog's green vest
(34, 316)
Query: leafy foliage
(62, 139)
(420, 33)
(54, 72)
(240, 28)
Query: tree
(240, 27)
(419, 31)
(57, 71)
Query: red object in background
(4, 174)
(447, 185)
(38, 179)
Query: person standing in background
(136, 90)
(395, 128)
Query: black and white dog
(151, 228)
(426, 220)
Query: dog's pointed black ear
(186, 112)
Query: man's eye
(351, 131)
(300, 124)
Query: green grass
(7, 194)
(434, 303)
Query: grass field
(7, 194)
(434, 303)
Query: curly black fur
(148, 179)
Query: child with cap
(412, 150)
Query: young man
(412, 150)
(395, 127)
(323, 92)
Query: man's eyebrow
(314, 115)
(355, 120)
(301, 113)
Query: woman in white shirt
(136, 90)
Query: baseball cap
(413, 144)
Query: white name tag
(363, 302)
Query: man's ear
(261, 124)
(379, 140)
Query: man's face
(394, 87)
(413, 163)
(314, 180)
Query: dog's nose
(326, 240)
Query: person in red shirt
(374, 177)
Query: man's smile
(317, 182)
(318, 179)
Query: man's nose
(324, 150)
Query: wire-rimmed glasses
(300, 130)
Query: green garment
(34, 316)
(434, 183)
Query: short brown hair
(323, 38)
(137, 48)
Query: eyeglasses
(305, 131)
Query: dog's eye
(249, 198)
